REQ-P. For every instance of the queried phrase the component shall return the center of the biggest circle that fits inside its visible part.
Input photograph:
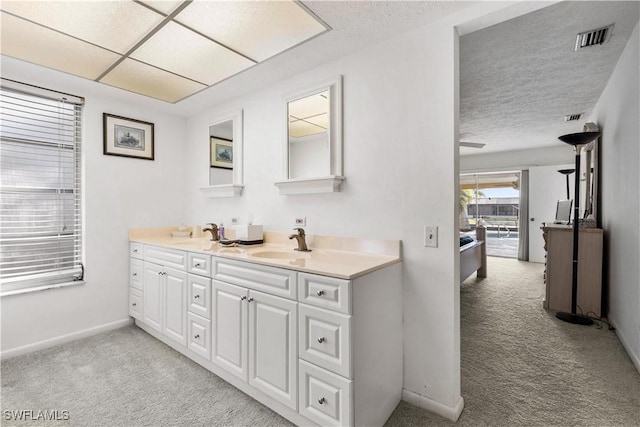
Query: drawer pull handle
(320, 293)
(135, 251)
(135, 274)
(134, 304)
(196, 336)
(243, 298)
(321, 340)
(321, 400)
(196, 296)
(197, 264)
(250, 299)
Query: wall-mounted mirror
(224, 147)
(313, 143)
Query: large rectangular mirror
(313, 143)
(224, 146)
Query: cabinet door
(175, 305)
(273, 347)
(152, 295)
(229, 325)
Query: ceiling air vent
(572, 117)
(593, 37)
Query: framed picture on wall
(221, 153)
(127, 137)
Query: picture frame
(221, 153)
(128, 137)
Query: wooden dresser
(559, 246)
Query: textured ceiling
(519, 78)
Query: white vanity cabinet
(255, 333)
(136, 268)
(165, 292)
(318, 350)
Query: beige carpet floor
(520, 367)
(523, 367)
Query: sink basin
(280, 255)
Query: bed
(473, 254)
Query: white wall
(617, 113)
(516, 159)
(399, 162)
(119, 193)
(546, 187)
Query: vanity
(316, 337)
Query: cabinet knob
(321, 340)
(134, 304)
(196, 336)
(320, 293)
(197, 264)
(196, 296)
(135, 274)
(135, 251)
(250, 299)
(243, 298)
(321, 400)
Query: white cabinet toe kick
(318, 350)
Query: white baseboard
(452, 413)
(635, 358)
(63, 339)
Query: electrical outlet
(301, 222)
(235, 221)
(430, 236)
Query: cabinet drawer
(135, 273)
(325, 339)
(325, 292)
(199, 331)
(199, 264)
(275, 281)
(199, 295)
(325, 397)
(135, 303)
(167, 257)
(135, 250)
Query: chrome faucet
(213, 229)
(302, 244)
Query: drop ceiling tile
(256, 29)
(310, 106)
(32, 43)
(301, 128)
(153, 82)
(164, 6)
(115, 25)
(182, 51)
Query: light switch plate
(430, 236)
(301, 222)
(235, 221)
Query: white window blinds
(40, 188)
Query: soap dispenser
(221, 232)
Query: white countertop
(323, 259)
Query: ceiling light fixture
(140, 46)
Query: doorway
(493, 200)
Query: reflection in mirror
(309, 154)
(221, 153)
(224, 155)
(313, 143)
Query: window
(40, 188)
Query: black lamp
(578, 140)
(566, 173)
